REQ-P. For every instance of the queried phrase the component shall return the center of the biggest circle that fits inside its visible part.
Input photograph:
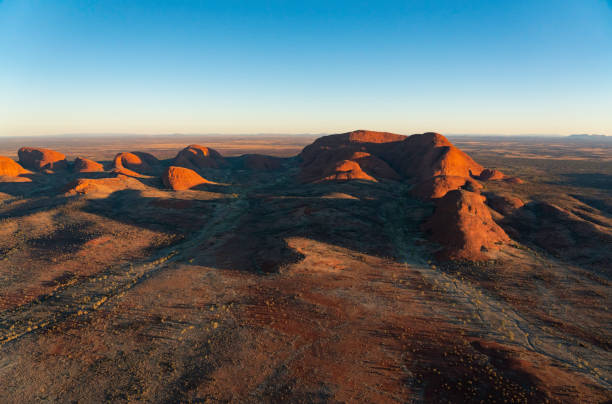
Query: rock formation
(41, 159)
(102, 186)
(196, 157)
(181, 178)
(136, 162)
(10, 168)
(429, 159)
(491, 175)
(83, 165)
(504, 204)
(437, 187)
(463, 225)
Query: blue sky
(480, 66)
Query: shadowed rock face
(197, 157)
(463, 225)
(504, 204)
(83, 165)
(10, 168)
(382, 155)
(138, 162)
(181, 178)
(259, 162)
(41, 159)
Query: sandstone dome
(10, 168)
(41, 159)
(463, 225)
(196, 157)
(383, 155)
(83, 165)
(136, 162)
(181, 178)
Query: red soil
(83, 165)
(40, 159)
(463, 225)
(196, 157)
(180, 178)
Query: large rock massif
(428, 160)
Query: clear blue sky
(480, 66)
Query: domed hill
(10, 168)
(196, 157)
(102, 186)
(463, 225)
(136, 162)
(41, 159)
(83, 165)
(181, 178)
(383, 155)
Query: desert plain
(361, 267)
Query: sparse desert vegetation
(248, 270)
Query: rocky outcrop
(10, 168)
(196, 157)
(41, 159)
(83, 165)
(382, 155)
(463, 225)
(181, 178)
(136, 162)
(102, 186)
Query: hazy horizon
(232, 67)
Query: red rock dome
(10, 168)
(41, 159)
(181, 178)
(196, 157)
(463, 225)
(83, 165)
